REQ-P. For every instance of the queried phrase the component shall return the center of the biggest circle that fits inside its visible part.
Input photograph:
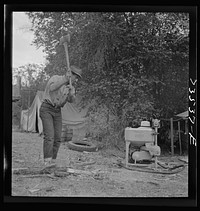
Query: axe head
(65, 39)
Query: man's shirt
(57, 91)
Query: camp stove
(144, 142)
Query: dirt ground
(102, 177)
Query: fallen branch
(117, 147)
(38, 175)
(178, 166)
(33, 171)
(161, 164)
(51, 188)
(77, 171)
(185, 161)
(18, 170)
(116, 156)
(148, 170)
(153, 183)
(52, 173)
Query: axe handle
(67, 59)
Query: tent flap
(31, 121)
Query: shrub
(104, 126)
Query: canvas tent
(183, 115)
(31, 121)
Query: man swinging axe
(58, 91)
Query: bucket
(67, 134)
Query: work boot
(48, 163)
(53, 161)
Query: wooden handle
(67, 59)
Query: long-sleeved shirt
(57, 91)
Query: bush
(104, 126)
(108, 126)
(16, 113)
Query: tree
(134, 63)
(32, 75)
(33, 78)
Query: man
(57, 93)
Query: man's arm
(70, 97)
(57, 81)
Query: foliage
(135, 63)
(15, 113)
(104, 126)
(32, 75)
(33, 78)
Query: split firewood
(61, 174)
(77, 171)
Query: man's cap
(77, 71)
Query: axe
(64, 41)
